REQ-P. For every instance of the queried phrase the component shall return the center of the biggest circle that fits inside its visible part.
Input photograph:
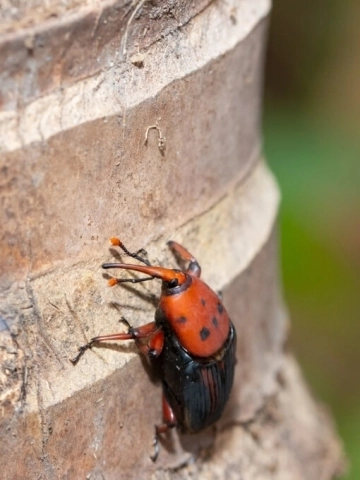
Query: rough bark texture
(78, 94)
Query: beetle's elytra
(192, 339)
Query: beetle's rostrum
(192, 340)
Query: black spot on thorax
(181, 319)
(204, 333)
(215, 322)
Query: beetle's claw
(125, 322)
(77, 358)
(82, 350)
(74, 360)
(155, 455)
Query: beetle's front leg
(149, 339)
(151, 345)
(193, 267)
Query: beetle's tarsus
(130, 329)
(125, 322)
(82, 350)
(155, 455)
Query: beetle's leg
(118, 243)
(169, 422)
(194, 267)
(136, 334)
(148, 338)
(153, 345)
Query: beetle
(192, 340)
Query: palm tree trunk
(142, 120)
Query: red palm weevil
(192, 339)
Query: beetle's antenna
(116, 242)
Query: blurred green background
(312, 142)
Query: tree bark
(142, 120)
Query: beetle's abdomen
(197, 389)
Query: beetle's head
(177, 282)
